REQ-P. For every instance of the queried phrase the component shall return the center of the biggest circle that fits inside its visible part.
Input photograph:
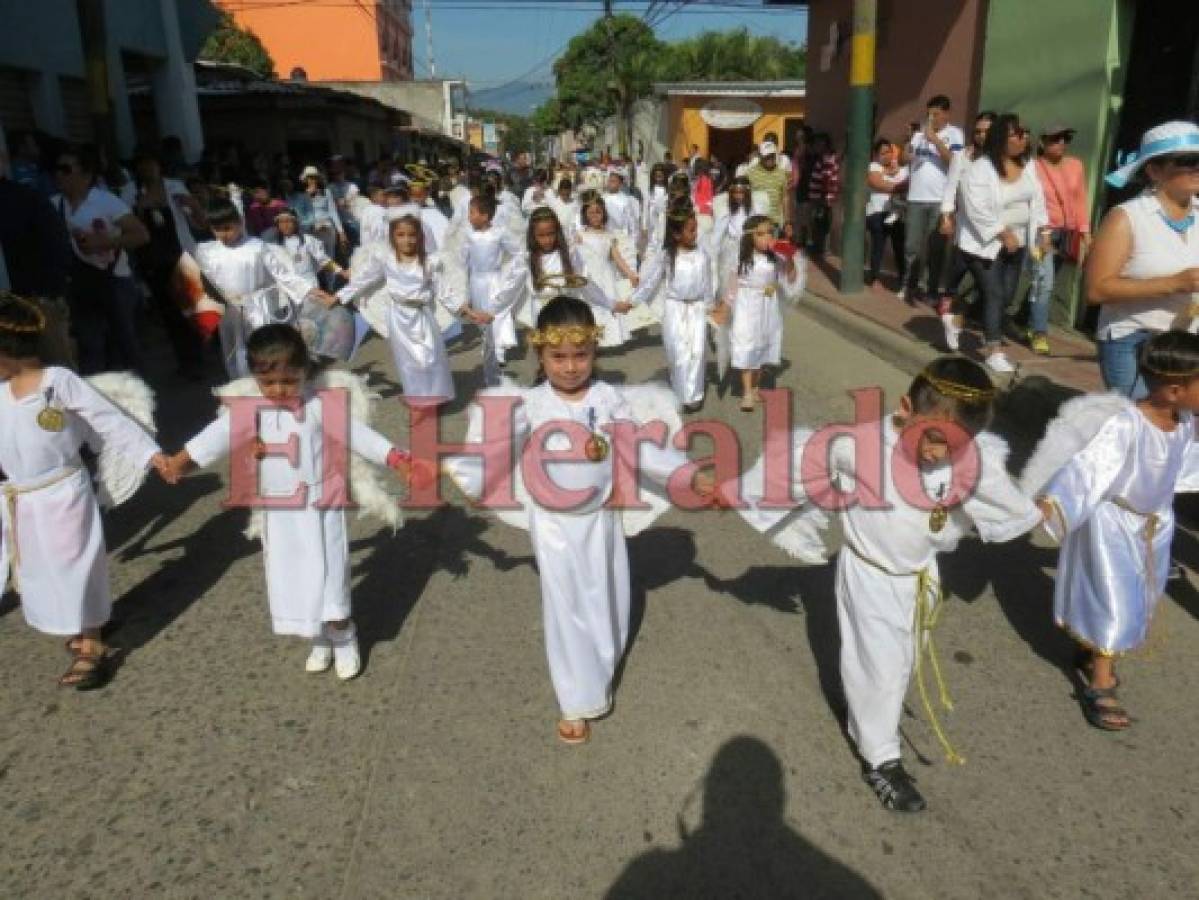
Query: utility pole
(857, 153)
(94, 38)
(429, 38)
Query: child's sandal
(1104, 716)
(88, 671)
(574, 731)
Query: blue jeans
(997, 280)
(1118, 364)
(1041, 273)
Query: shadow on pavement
(743, 847)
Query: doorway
(731, 146)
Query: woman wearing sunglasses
(1143, 268)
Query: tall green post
(857, 153)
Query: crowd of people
(289, 279)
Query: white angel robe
(756, 330)
(624, 215)
(595, 249)
(592, 293)
(582, 558)
(306, 550)
(417, 347)
(689, 295)
(724, 242)
(245, 274)
(53, 539)
(1114, 502)
(886, 552)
(494, 263)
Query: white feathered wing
(1077, 422)
(117, 477)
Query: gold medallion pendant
(768, 290)
(51, 419)
(596, 448)
(937, 518)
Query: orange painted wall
(329, 42)
(686, 125)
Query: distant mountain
(520, 97)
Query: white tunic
(756, 332)
(244, 275)
(596, 249)
(1111, 568)
(581, 554)
(305, 256)
(483, 255)
(600, 302)
(61, 565)
(624, 215)
(417, 346)
(305, 550)
(689, 296)
(889, 545)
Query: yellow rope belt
(11, 492)
(1152, 524)
(929, 599)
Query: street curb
(904, 353)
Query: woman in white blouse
(1003, 215)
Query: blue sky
(493, 48)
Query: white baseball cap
(767, 148)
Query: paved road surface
(214, 767)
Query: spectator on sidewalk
(102, 230)
(824, 187)
(1063, 181)
(1001, 217)
(27, 165)
(317, 209)
(166, 209)
(955, 266)
(32, 238)
(887, 181)
(344, 190)
(928, 155)
(1143, 268)
(769, 179)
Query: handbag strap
(1061, 201)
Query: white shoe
(998, 362)
(953, 331)
(346, 658)
(321, 656)
(902, 293)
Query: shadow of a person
(743, 848)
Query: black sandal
(88, 671)
(1103, 716)
(1084, 667)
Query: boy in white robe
(580, 548)
(887, 584)
(305, 544)
(493, 261)
(244, 270)
(52, 538)
(1112, 499)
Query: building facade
(728, 119)
(147, 42)
(369, 40)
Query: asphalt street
(214, 767)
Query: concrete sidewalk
(910, 335)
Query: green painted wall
(1060, 60)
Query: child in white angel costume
(580, 550)
(1110, 467)
(941, 475)
(53, 539)
(305, 543)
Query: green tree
(230, 43)
(731, 56)
(605, 70)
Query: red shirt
(1065, 189)
(701, 195)
(261, 216)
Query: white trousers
(875, 613)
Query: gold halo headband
(555, 335)
(421, 174)
(561, 280)
(681, 215)
(39, 324)
(962, 392)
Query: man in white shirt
(624, 212)
(928, 156)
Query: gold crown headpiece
(39, 318)
(555, 335)
(561, 280)
(681, 214)
(963, 392)
(421, 174)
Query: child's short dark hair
(22, 325)
(274, 347)
(484, 203)
(223, 212)
(563, 310)
(956, 387)
(1170, 357)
